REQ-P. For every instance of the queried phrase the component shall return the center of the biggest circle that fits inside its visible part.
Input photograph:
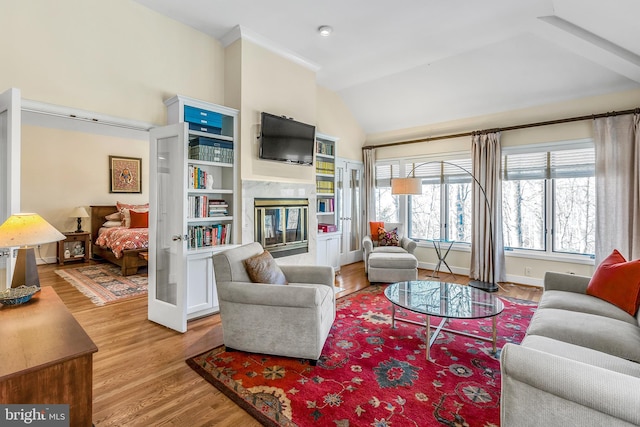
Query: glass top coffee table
(444, 300)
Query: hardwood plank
(140, 377)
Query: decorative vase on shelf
(209, 182)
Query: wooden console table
(46, 356)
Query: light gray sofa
(578, 365)
(392, 263)
(291, 320)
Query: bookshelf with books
(199, 144)
(326, 209)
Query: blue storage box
(205, 128)
(203, 117)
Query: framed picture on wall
(125, 174)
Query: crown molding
(239, 32)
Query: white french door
(167, 228)
(350, 209)
(10, 124)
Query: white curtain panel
(486, 158)
(369, 186)
(617, 144)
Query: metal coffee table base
(431, 337)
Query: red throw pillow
(139, 219)
(618, 282)
(374, 226)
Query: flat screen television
(286, 140)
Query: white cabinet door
(202, 298)
(333, 252)
(167, 227)
(10, 123)
(328, 250)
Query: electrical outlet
(527, 271)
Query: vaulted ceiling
(417, 62)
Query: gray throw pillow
(262, 268)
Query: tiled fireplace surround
(267, 189)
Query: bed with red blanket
(123, 246)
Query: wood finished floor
(139, 375)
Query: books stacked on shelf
(197, 207)
(203, 207)
(324, 148)
(325, 187)
(197, 178)
(326, 205)
(218, 207)
(325, 167)
(202, 236)
(211, 150)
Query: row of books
(197, 178)
(203, 207)
(202, 236)
(326, 205)
(324, 148)
(324, 186)
(325, 167)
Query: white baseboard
(46, 260)
(521, 280)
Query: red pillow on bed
(139, 219)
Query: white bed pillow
(110, 224)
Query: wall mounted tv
(286, 140)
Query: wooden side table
(74, 248)
(46, 357)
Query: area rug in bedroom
(104, 283)
(372, 375)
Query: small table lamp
(26, 229)
(79, 213)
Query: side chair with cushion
(289, 314)
(390, 258)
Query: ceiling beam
(591, 46)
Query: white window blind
(450, 171)
(549, 164)
(386, 171)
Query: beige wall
(515, 266)
(114, 57)
(271, 83)
(335, 119)
(72, 169)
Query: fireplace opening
(282, 225)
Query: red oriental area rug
(372, 375)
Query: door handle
(176, 237)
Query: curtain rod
(508, 128)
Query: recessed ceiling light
(325, 30)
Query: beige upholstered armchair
(407, 246)
(287, 320)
